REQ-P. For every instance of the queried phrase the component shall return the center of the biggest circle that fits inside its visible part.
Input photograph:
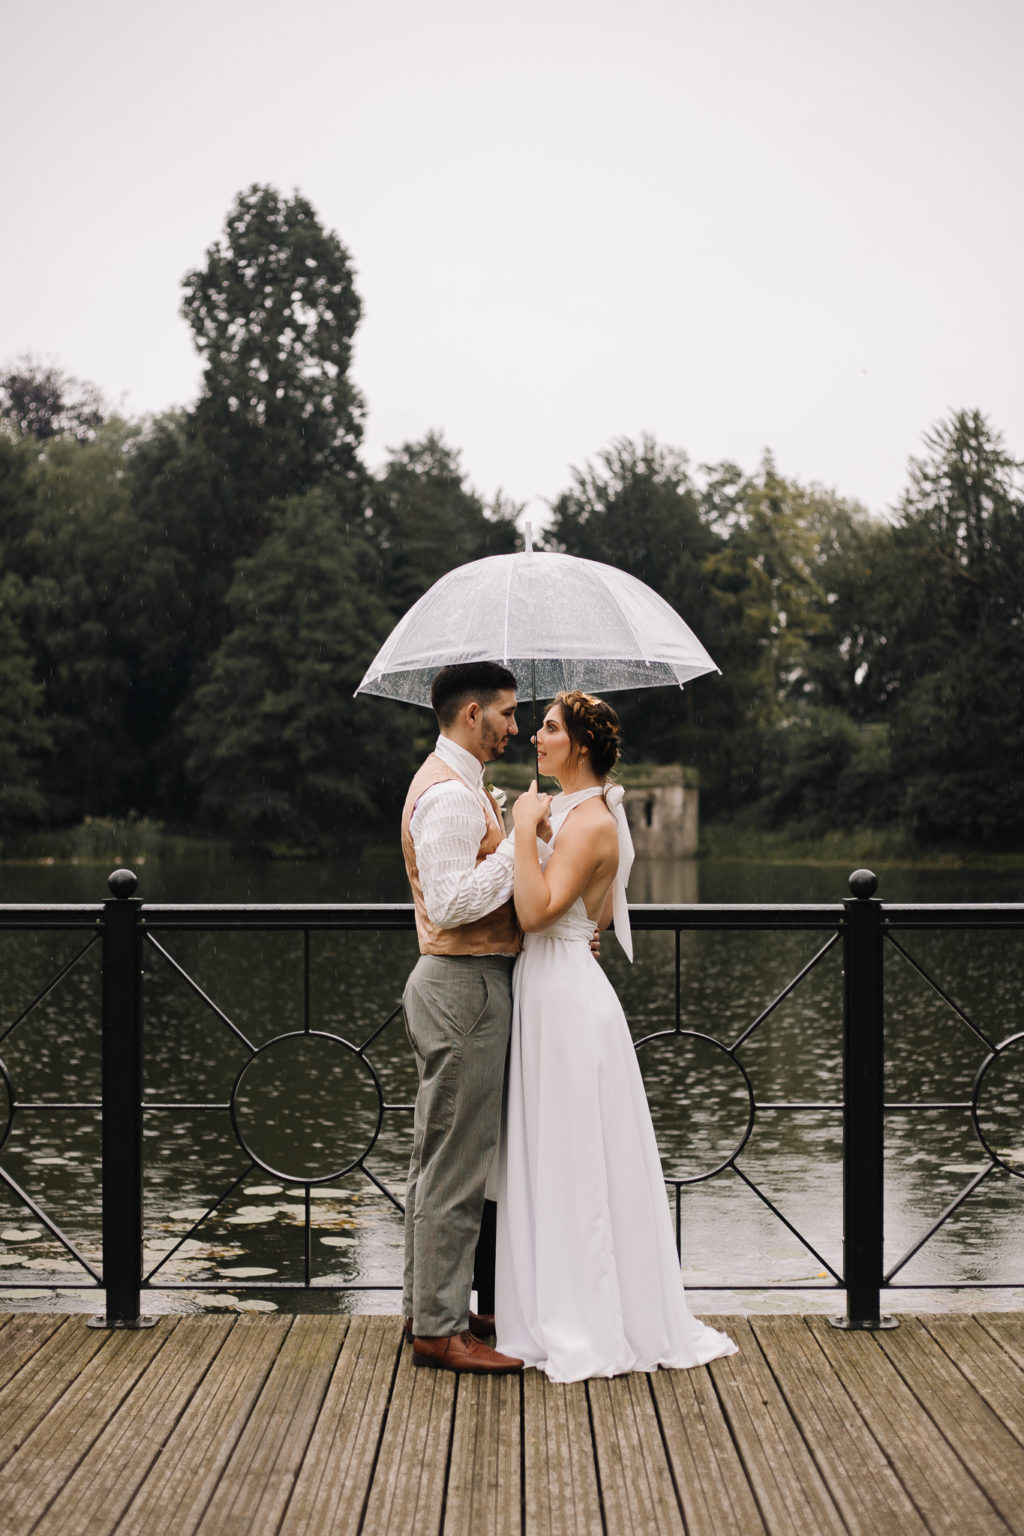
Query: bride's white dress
(587, 1275)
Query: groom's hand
(595, 944)
(544, 829)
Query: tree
(424, 520)
(78, 561)
(281, 753)
(958, 739)
(24, 739)
(273, 312)
(42, 402)
(637, 508)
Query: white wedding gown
(587, 1276)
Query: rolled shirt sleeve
(448, 826)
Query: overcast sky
(736, 224)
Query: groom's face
(497, 725)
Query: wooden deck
(255, 1425)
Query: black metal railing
(132, 934)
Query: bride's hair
(593, 724)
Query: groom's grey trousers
(458, 1016)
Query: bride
(587, 1276)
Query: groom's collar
(469, 768)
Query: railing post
(122, 1107)
(864, 1098)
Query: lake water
(307, 1108)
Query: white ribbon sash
(613, 799)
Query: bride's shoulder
(592, 818)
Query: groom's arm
(448, 826)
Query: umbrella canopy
(554, 620)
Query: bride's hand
(531, 809)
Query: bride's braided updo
(593, 724)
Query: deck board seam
(979, 1390)
(664, 1446)
(123, 1399)
(522, 1453)
(215, 1487)
(922, 1404)
(360, 1523)
(730, 1427)
(328, 1377)
(798, 1427)
(597, 1460)
(889, 1460)
(801, 1432)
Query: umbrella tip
(528, 538)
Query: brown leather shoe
(462, 1352)
(481, 1325)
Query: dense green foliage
(187, 603)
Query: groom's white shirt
(447, 826)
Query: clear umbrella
(554, 620)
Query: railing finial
(123, 883)
(863, 884)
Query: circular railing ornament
(6, 1105)
(715, 1077)
(999, 1125)
(326, 1120)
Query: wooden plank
(710, 1479)
(259, 1476)
(941, 1488)
(407, 1493)
(560, 1493)
(484, 1491)
(860, 1478)
(1007, 1328)
(184, 1475)
(46, 1459)
(31, 1394)
(21, 1336)
(993, 1456)
(790, 1492)
(637, 1492)
(334, 1482)
(103, 1484)
(993, 1373)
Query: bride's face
(554, 744)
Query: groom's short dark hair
(454, 686)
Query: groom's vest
(494, 934)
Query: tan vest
(494, 934)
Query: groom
(458, 1009)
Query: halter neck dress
(587, 1275)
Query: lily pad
(337, 1242)
(252, 1272)
(20, 1234)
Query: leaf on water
(20, 1234)
(190, 1213)
(252, 1272)
(298, 1211)
(253, 1213)
(227, 1303)
(337, 1242)
(265, 1189)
